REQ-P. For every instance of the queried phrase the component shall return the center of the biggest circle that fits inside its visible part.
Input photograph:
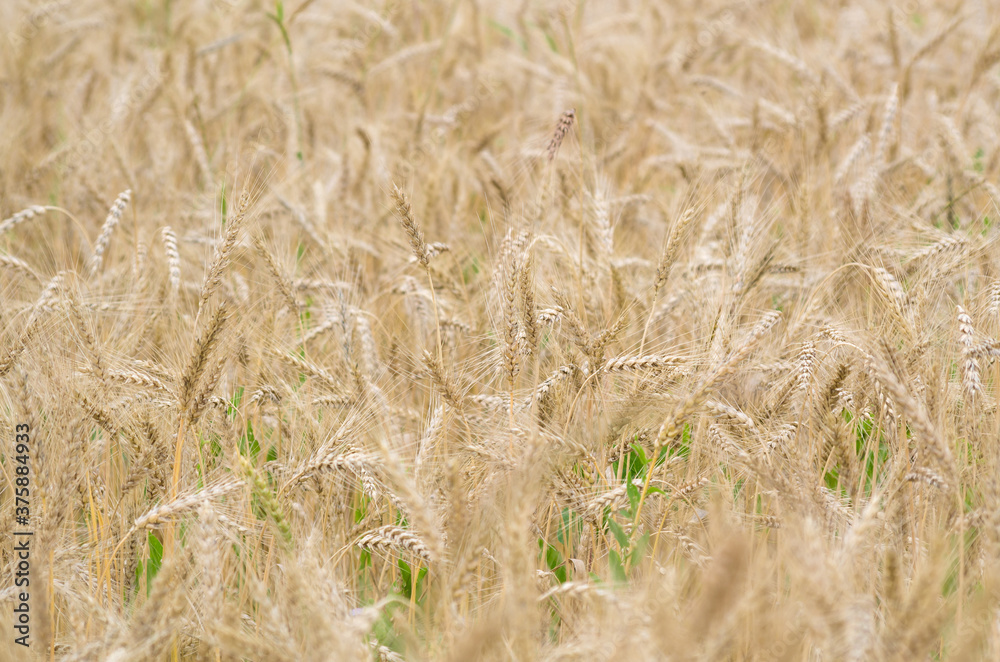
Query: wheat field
(471, 330)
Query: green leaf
(138, 576)
(234, 403)
(551, 41)
(570, 527)
(632, 490)
(832, 479)
(405, 574)
(407, 585)
(617, 569)
(470, 269)
(509, 33)
(640, 453)
(619, 533)
(248, 443)
(639, 549)
(361, 510)
(279, 19)
(214, 446)
(684, 450)
(555, 562)
(154, 561)
(225, 206)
